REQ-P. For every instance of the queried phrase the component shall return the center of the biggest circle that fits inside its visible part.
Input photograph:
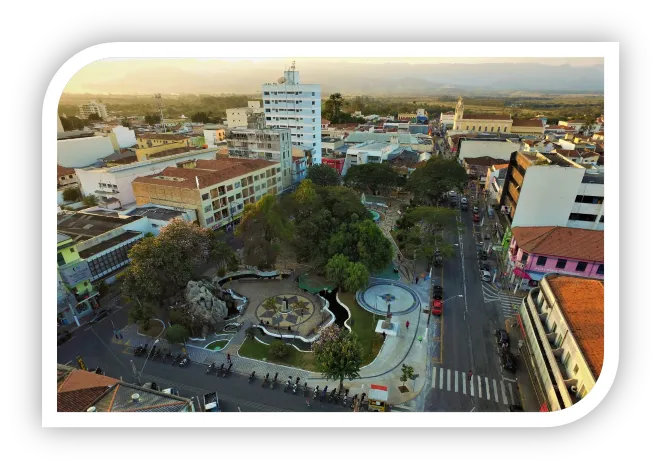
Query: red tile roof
(79, 400)
(560, 241)
(62, 171)
(497, 117)
(325, 121)
(528, 123)
(582, 304)
(79, 379)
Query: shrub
(278, 349)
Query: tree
(71, 194)
(407, 373)
(323, 175)
(177, 334)
(373, 177)
(333, 107)
(223, 255)
(263, 228)
(278, 350)
(436, 178)
(271, 303)
(93, 117)
(90, 200)
(338, 354)
(357, 277)
(202, 117)
(165, 263)
(336, 269)
(125, 122)
(250, 333)
(141, 313)
(151, 119)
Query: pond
(217, 345)
(376, 216)
(341, 314)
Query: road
(462, 340)
(94, 343)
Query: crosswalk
(481, 387)
(509, 303)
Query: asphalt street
(94, 343)
(463, 340)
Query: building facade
(78, 152)
(492, 123)
(93, 107)
(537, 251)
(548, 189)
(112, 185)
(266, 144)
(562, 322)
(76, 296)
(288, 104)
(149, 144)
(242, 117)
(218, 190)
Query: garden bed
(155, 328)
(217, 345)
(363, 324)
(259, 351)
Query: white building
(75, 152)
(563, 320)
(447, 119)
(290, 104)
(266, 144)
(475, 148)
(122, 137)
(112, 185)
(369, 152)
(245, 116)
(59, 125)
(551, 190)
(93, 107)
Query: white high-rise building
(92, 107)
(289, 104)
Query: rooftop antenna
(159, 101)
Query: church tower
(458, 113)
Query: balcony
(517, 176)
(513, 190)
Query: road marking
(486, 386)
(509, 379)
(463, 382)
(456, 381)
(472, 390)
(433, 377)
(495, 390)
(449, 378)
(511, 394)
(479, 387)
(440, 386)
(502, 388)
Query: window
(581, 266)
(601, 220)
(479, 129)
(205, 196)
(498, 128)
(314, 112)
(600, 269)
(561, 263)
(473, 127)
(576, 370)
(554, 327)
(207, 208)
(237, 185)
(60, 259)
(541, 260)
(313, 93)
(492, 128)
(505, 129)
(524, 258)
(72, 249)
(313, 103)
(209, 220)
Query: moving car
(476, 209)
(507, 362)
(62, 337)
(437, 307)
(476, 217)
(485, 276)
(437, 292)
(502, 338)
(100, 315)
(438, 260)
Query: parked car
(476, 209)
(173, 391)
(507, 362)
(98, 316)
(438, 260)
(482, 254)
(476, 217)
(485, 276)
(437, 307)
(437, 292)
(485, 266)
(62, 337)
(151, 385)
(502, 338)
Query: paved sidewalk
(528, 392)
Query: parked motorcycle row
(161, 355)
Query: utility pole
(160, 108)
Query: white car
(485, 276)
(464, 200)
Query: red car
(437, 307)
(476, 218)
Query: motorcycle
(315, 392)
(176, 360)
(295, 388)
(227, 370)
(184, 362)
(287, 384)
(251, 377)
(266, 380)
(305, 389)
(211, 367)
(221, 370)
(275, 380)
(346, 396)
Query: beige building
(563, 324)
(217, 189)
(148, 144)
(497, 123)
(533, 127)
(245, 116)
(93, 107)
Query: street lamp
(139, 375)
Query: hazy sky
(134, 75)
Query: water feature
(376, 216)
(341, 314)
(383, 296)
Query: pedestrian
(384, 335)
(407, 325)
(470, 375)
(416, 280)
(307, 401)
(229, 359)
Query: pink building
(536, 251)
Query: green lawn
(257, 350)
(219, 344)
(363, 325)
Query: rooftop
(156, 213)
(189, 153)
(120, 399)
(485, 161)
(581, 301)
(497, 117)
(330, 140)
(163, 136)
(528, 123)
(562, 242)
(362, 137)
(82, 226)
(593, 178)
(62, 171)
(207, 172)
(75, 134)
(108, 243)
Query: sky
(239, 75)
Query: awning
(536, 276)
(378, 393)
(520, 273)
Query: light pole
(138, 376)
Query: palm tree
(222, 255)
(299, 305)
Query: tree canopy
(177, 334)
(373, 177)
(435, 178)
(166, 262)
(264, 228)
(338, 354)
(323, 175)
(351, 276)
(71, 194)
(421, 229)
